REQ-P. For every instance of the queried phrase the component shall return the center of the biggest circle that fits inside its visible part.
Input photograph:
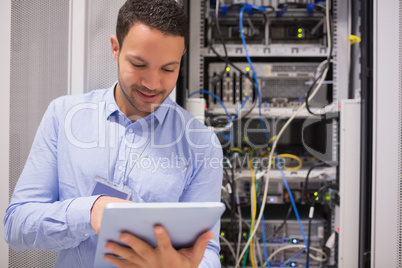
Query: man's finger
(123, 252)
(162, 238)
(140, 247)
(196, 253)
(202, 243)
(116, 261)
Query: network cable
(253, 207)
(305, 190)
(247, 6)
(264, 241)
(282, 224)
(227, 61)
(231, 118)
(292, 156)
(292, 200)
(259, 106)
(314, 92)
(229, 245)
(323, 257)
(326, 62)
(292, 258)
(310, 218)
(213, 95)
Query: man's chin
(150, 109)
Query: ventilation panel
(39, 73)
(101, 67)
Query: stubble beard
(131, 99)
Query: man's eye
(169, 71)
(138, 66)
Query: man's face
(148, 67)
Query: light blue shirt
(167, 156)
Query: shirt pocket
(158, 180)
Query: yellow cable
(272, 139)
(254, 209)
(236, 150)
(293, 157)
(294, 114)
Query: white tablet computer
(184, 222)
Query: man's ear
(184, 51)
(115, 47)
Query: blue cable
(261, 119)
(243, 39)
(220, 101)
(232, 135)
(233, 117)
(263, 235)
(291, 199)
(242, 105)
(213, 95)
(250, 7)
(293, 257)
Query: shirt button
(120, 168)
(86, 234)
(130, 130)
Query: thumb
(196, 252)
(202, 242)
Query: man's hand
(141, 254)
(97, 210)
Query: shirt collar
(159, 114)
(111, 105)
(162, 110)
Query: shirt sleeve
(35, 218)
(206, 186)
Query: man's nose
(151, 80)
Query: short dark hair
(166, 16)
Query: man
(126, 142)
